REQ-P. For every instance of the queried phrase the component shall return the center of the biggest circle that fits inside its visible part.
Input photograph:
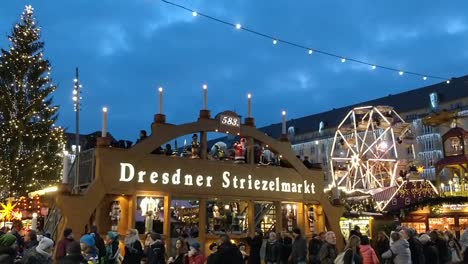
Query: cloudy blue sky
(126, 49)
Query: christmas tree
(30, 144)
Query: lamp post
(249, 105)
(205, 97)
(283, 127)
(77, 106)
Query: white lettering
(226, 176)
(131, 171)
(242, 181)
(176, 177)
(312, 188)
(199, 180)
(208, 181)
(272, 186)
(285, 187)
(188, 180)
(293, 188)
(299, 187)
(277, 184)
(154, 177)
(140, 176)
(264, 185)
(165, 177)
(257, 184)
(250, 182)
(306, 187)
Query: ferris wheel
(364, 153)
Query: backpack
(340, 258)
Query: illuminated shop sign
(249, 182)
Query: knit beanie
(88, 240)
(155, 236)
(67, 232)
(7, 240)
(113, 235)
(424, 238)
(45, 243)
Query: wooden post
(132, 206)
(279, 217)
(167, 224)
(300, 216)
(251, 217)
(202, 222)
(203, 145)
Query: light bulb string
(330, 54)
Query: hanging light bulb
(238, 26)
(343, 60)
(401, 73)
(374, 67)
(448, 81)
(194, 14)
(424, 78)
(311, 51)
(275, 42)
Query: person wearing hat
(74, 255)
(7, 248)
(41, 254)
(88, 248)
(63, 243)
(112, 248)
(299, 248)
(255, 245)
(155, 250)
(195, 255)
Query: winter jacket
(350, 258)
(399, 251)
(328, 253)
(133, 254)
(181, 259)
(314, 249)
(368, 255)
(197, 259)
(7, 255)
(285, 245)
(382, 246)
(34, 257)
(100, 245)
(430, 253)
(73, 259)
(272, 252)
(227, 254)
(464, 239)
(299, 250)
(416, 249)
(62, 248)
(156, 253)
(255, 246)
(443, 250)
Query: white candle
(160, 100)
(249, 105)
(283, 128)
(205, 96)
(104, 122)
(34, 222)
(65, 168)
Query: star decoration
(29, 9)
(7, 210)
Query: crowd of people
(404, 246)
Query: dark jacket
(328, 253)
(381, 247)
(299, 250)
(133, 254)
(255, 246)
(34, 257)
(227, 253)
(272, 252)
(111, 252)
(156, 253)
(182, 258)
(7, 255)
(416, 248)
(314, 249)
(100, 245)
(285, 248)
(62, 248)
(73, 259)
(443, 250)
(430, 253)
(349, 257)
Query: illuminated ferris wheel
(364, 153)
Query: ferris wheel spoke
(375, 142)
(346, 142)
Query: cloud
(455, 26)
(112, 39)
(395, 33)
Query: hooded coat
(399, 251)
(368, 255)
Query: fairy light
(310, 50)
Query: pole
(205, 96)
(160, 100)
(249, 105)
(104, 122)
(77, 132)
(283, 128)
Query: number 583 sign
(230, 122)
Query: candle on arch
(160, 100)
(283, 128)
(205, 96)
(249, 105)
(104, 122)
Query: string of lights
(309, 50)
